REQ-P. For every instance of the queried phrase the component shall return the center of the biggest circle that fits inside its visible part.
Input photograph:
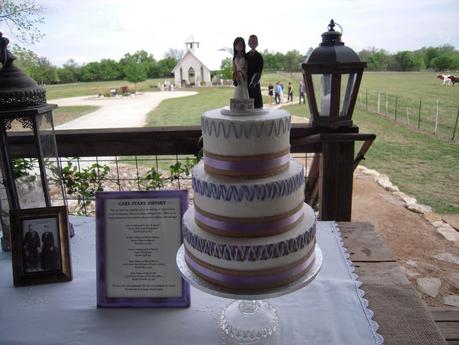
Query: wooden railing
(331, 177)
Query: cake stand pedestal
(248, 319)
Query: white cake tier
(253, 135)
(250, 254)
(249, 198)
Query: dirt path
(117, 112)
(411, 238)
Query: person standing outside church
(277, 93)
(254, 70)
(301, 92)
(290, 93)
(270, 93)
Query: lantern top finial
(331, 25)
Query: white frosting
(264, 133)
(245, 208)
(306, 223)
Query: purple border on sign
(182, 301)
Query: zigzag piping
(259, 192)
(249, 253)
(216, 128)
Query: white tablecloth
(331, 310)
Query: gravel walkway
(117, 112)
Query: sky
(90, 30)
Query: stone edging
(445, 229)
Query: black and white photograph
(41, 251)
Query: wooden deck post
(336, 172)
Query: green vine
(84, 183)
(24, 167)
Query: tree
(70, 72)
(90, 72)
(135, 72)
(165, 67)
(292, 61)
(22, 19)
(409, 61)
(174, 53)
(45, 72)
(377, 59)
(226, 69)
(141, 57)
(109, 70)
(446, 61)
(273, 61)
(38, 68)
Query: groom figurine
(254, 69)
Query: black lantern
(36, 181)
(332, 75)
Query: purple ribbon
(255, 165)
(247, 281)
(252, 228)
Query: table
(401, 315)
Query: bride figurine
(240, 69)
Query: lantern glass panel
(50, 158)
(347, 86)
(4, 209)
(26, 170)
(322, 91)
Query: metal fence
(426, 114)
(82, 177)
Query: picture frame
(136, 246)
(40, 246)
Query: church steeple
(191, 43)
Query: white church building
(196, 65)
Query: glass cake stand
(248, 319)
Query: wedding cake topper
(247, 69)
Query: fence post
(366, 99)
(436, 118)
(387, 104)
(407, 116)
(455, 125)
(379, 102)
(396, 103)
(419, 114)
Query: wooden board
(363, 242)
(444, 314)
(447, 320)
(450, 330)
(382, 273)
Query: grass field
(65, 114)
(413, 85)
(187, 110)
(93, 88)
(404, 91)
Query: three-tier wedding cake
(249, 227)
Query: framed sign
(137, 238)
(40, 245)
